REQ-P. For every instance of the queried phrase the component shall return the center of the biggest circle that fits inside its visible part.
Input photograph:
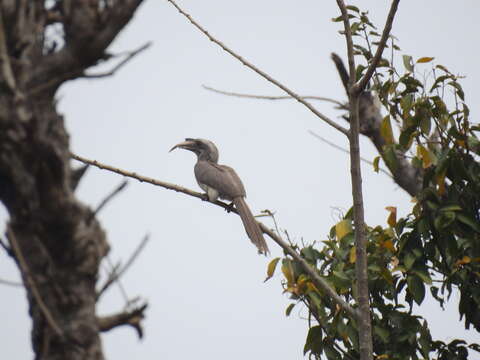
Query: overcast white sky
(200, 274)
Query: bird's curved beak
(187, 145)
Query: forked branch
(260, 72)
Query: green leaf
(382, 333)
(450, 208)
(331, 353)
(425, 340)
(376, 163)
(390, 157)
(406, 137)
(469, 221)
(416, 288)
(442, 221)
(406, 102)
(271, 268)
(407, 62)
(424, 276)
(353, 8)
(408, 260)
(314, 341)
(289, 309)
(457, 86)
(425, 125)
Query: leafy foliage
(435, 248)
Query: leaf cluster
(435, 248)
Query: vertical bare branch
(349, 41)
(362, 83)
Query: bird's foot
(229, 207)
(205, 197)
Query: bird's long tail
(251, 226)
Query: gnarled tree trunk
(55, 240)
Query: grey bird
(221, 181)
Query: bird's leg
(205, 197)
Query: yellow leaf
(440, 179)
(460, 143)
(463, 261)
(425, 59)
(311, 286)
(386, 130)
(302, 283)
(392, 217)
(382, 357)
(271, 268)
(287, 271)
(388, 244)
(424, 155)
(343, 228)
(352, 257)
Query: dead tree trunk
(54, 239)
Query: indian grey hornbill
(221, 181)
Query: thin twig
(117, 281)
(149, 180)
(362, 83)
(11, 283)
(116, 274)
(129, 56)
(318, 280)
(260, 72)
(268, 97)
(31, 284)
(314, 134)
(109, 197)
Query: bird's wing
(220, 177)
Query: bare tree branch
(362, 83)
(349, 41)
(11, 283)
(131, 318)
(116, 273)
(31, 283)
(109, 197)
(361, 269)
(129, 56)
(267, 97)
(7, 248)
(318, 280)
(260, 72)
(346, 151)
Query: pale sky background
(200, 274)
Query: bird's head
(205, 149)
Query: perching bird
(221, 181)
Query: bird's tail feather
(251, 226)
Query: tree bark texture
(54, 239)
